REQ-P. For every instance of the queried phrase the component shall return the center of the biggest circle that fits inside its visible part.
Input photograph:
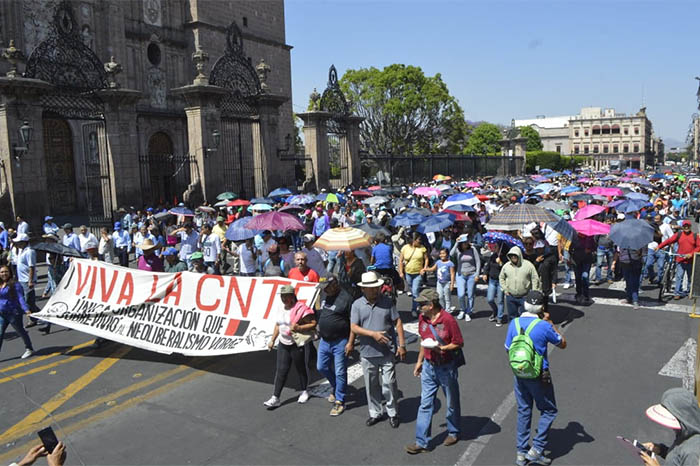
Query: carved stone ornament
(200, 59)
(112, 69)
(314, 100)
(263, 69)
(14, 56)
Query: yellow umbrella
(343, 239)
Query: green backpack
(525, 362)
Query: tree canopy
(533, 138)
(484, 139)
(405, 111)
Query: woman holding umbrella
(467, 262)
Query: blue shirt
(383, 258)
(51, 228)
(541, 334)
(72, 241)
(3, 239)
(12, 305)
(25, 260)
(121, 239)
(443, 271)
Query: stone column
(203, 117)
(122, 144)
(269, 169)
(352, 147)
(316, 141)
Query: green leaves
(484, 140)
(533, 138)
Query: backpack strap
(531, 326)
(437, 337)
(518, 330)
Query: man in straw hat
(375, 319)
(149, 261)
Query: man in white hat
(313, 257)
(375, 320)
(26, 271)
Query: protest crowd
(523, 238)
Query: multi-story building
(606, 135)
(553, 131)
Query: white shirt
(666, 231)
(23, 227)
(247, 259)
(188, 244)
(284, 317)
(86, 240)
(211, 247)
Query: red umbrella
(361, 193)
(374, 188)
(482, 197)
(238, 203)
(459, 216)
(275, 221)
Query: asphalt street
(121, 406)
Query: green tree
(298, 141)
(533, 138)
(484, 139)
(405, 111)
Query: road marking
(647, 304)
(682, 364)
(37, 359)
(109, 400)
(67, 393)
(38, 369)
(69, 429)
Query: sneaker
(331, 398)
(566, 286)
(272, 403)
(499, 323)
(520, 459)
(408, 293)
(492, 318)
(534, 456)
(467, 317)
(28, 353)
(453, 308)
(304, 397)
(337, 409)
(635, 305)
(399, 292)
(460, 315)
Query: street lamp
(287, 146)
(216, 137)
(25, 135)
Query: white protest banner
(186, 313)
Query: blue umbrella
(631, 205)
(237, 231)
(280, 192)
(459, 197)
(406, 220)
(657, 176)
(608, 178)
(641, 181)
(181, 211)
(544, 188)
(567, 172)
(261, 207)
(498, 237)
(570, 189)
(461, 208)
(637, 196)
(435, 223)
(262, 200)
(632, 234)
(564, 228)
(544, 171)
(301, 199)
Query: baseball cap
(535, 297)
(309, 238)
(287, 289)
(67, 226)
(117, 225)
(220, 218)
(196, 255)
(47, 218)
(170, 252)
(327, 280)
(150, 209)
(428, 295)
(686, 222)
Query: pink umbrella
(374, 188)
(590, 227)
(427, 191)
(583, 180)
(473, 184)
(275, 221)
(605, 191)
(588, 211)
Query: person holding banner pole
(294, 328)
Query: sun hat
(196, 255)
(50, 236)
(286, 289)
(428, 295)
(147, 245)
(20, 237)
(663, 416)
(370, 280)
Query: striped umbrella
(520, 214)
(343, 239)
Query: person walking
(374, 318)
(517, 278)
(445, 269)
(294, 318)
(494, 294)
(437, 368)
(106, 246)
(413, 259)
(122, 244)
(630, 261)
(688, 245)
(12, 307)
(26, 273)
(467, 260)
(539, 329)
(337, 340)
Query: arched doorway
(161, 164)
(60, 166)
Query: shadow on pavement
(563, 441)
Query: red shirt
(687, 244)
(447, 329)
(309, 276)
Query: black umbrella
(501, 182)
(392, 189)
(57, 248)
(399, 204)
(371, 229)
(419, 210)
(582, 197)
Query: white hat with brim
(663, 416)
(147, 245)
(20, 237)
(370, 280)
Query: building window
(585, 132)
(575, 133)
(596, 130)
(615, 129)
(636, 130)
(636, 148)
(625, 148)
(616, 148)
(595, 148)
(605, 148)
(245, 21)
(627, 131)
(606, 129)
(153, 53)
(585, 149)
(576, 149)
(559, 148)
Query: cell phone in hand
(635, 446)
(48, 439)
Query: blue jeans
(333, 364)
(582, 271)
(654, 259)
(633, 277)
(527, 391)
(432, 378)
(682, 269)
(567, 270)
(465, 292)
(413, 280)
(16, 321)
(494, 296)
(515, 306)
(50, 282)
(445, 294)
(332, 261)
(607, 256)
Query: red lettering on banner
(273, 294)
(107, 292)
(233, 287)
(81, 284)
(301, 285)
(127, 292)
(208, 307)
(174, 289)
(154, 287)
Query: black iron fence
(400, 169)
(165, 178)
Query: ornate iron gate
(334, 102)
(98, 182)
(237, 149)
(58, 150)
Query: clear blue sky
(513, 59)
